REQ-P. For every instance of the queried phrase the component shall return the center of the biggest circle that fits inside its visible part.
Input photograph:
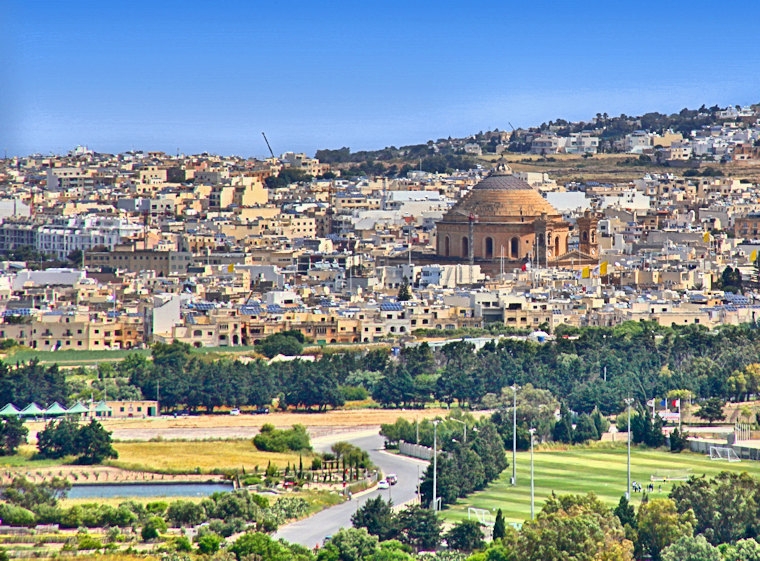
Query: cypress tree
(499, 528)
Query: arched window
(584, 236)
(567, 244)
(514, 248)
(465, 247)
(446, 246)
(593, 236)
(489, 248)
(556, 246)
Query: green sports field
(580, 470)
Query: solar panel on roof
(18, 312)
(251, 310)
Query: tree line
(592, 368)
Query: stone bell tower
(587, 234)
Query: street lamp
(435, 464)
(628, 402)
(532, 486)
(463, 424)
(514, 433)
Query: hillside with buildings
(107, 251)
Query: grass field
(71, 358)
(77, 358)
(581, 470)
(197, 456)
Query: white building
(84, 233)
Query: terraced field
(581, 470)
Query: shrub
(152, 528)
(180, 513)
(16, 515)
(353, 393)
(271, 439)
(86, 541)
(182, 543)
(209, 543)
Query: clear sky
(211, 75)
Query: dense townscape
(486, 295)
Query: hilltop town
(118, 251)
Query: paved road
(312, 531)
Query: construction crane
(268, 146)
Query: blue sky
(210, 76)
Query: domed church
(503, 216)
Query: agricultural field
(198, 456)
(579, 470)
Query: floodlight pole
(628, 402)
(435, 464)
(532, 485)
(514, 434)
(465, 428)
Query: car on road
(383, 484)
(391, 478)
(235, 411)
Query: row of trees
(592, 368)
(464, 465)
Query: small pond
(108, 490)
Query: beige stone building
(80, 331)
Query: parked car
(260, 411)
(235, 411)
(383, 484)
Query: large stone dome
(501, 198)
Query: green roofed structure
(55, 410)
(9, 410)
(103, 410)
(78, 408)
(32, 410)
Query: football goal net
(482, 515)
(723, 453)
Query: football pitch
(582, 470)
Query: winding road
(312, 531)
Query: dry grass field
(197, 456)
(610, 168)
(224, 426)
